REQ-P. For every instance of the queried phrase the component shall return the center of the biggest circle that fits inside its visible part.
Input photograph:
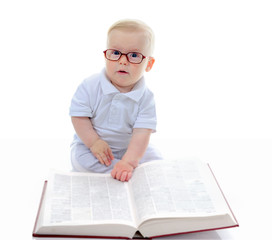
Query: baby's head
(130, 45)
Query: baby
(113, 112)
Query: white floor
(242, 167)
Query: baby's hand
(102, 152)
(122, 171)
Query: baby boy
(113, 112)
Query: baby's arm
(137, 146)
(100, 149)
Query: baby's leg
(151, 154)
(84, 161)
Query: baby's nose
(123, 60)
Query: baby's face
(123, 74)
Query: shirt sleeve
(80, 104)
(147, 113)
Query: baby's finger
(129, 175)
(123, 176)
(108, 157)
(105, 159)
(113, 173)
(110, 154)
(99, 158)
(118, 175)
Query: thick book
(162, 198)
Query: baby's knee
(80, 158)
(151, 154)
(83, 160)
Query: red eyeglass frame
(126, 54)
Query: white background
(212, 82)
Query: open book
(162, 198)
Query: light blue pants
(84, 161)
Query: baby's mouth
(122, 72)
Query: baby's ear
(150, 64)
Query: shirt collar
(135, 94)
(106, 85)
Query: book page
(79, 198)
(174, 188)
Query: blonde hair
(136, 25)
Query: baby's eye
(115, 52)
(134, 55)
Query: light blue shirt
(112, 113)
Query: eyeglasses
(132, 57)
